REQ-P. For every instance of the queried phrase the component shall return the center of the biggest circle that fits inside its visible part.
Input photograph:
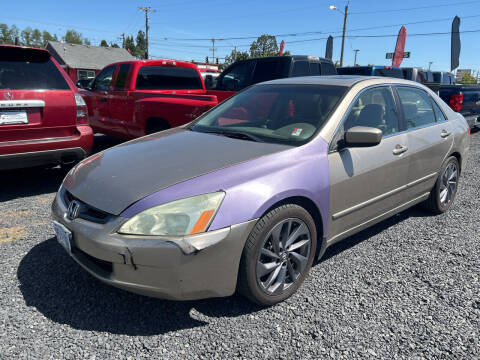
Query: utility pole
(213, 49)
(430, 64)
(147, 10)
(345, 14)
(235, 54)
(123, 40)
(355, 61)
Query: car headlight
(178, 218)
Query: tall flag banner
(282, 46)
(329, 48)
(399, 47)
(456, 45)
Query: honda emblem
(73, 210)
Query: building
(207, 66)
(85, 61)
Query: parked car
(464, 99)
(249, 194)
(43, 120)
(244, 73)
(134, 98)
(387, 71)
(418, 74)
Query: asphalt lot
(406, 288)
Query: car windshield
(287, 114)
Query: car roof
(339, 80)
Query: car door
(99, 109)
(367, 183)
(429, 138)
(121, 103)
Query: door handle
(103, 99)
(399, 149)
(444, 134)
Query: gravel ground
(406, 288)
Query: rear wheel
(443, 193)
(278, 255)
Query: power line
(414, 8)
(307, 33)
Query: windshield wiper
(235, 135)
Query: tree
(130, 45)
(141, 47)
(104, 43)
(86, 41)
(468, 79)
(73, 37)
(234, 56)
(26, 36)
(6, 35)
(46, 37)
(265, 45)
(114, 45)
(37, 38)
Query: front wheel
(278, 255)
(443, 193)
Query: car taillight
(456, 102)
(82, 111)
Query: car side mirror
(362, 136)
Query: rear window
(387, 72)
(25, 69)
(300, 68)
(328, 69)
(168, 78)
(266, 70)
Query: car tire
(270, 273)
(443, 193)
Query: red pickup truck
(43, 119)
(135, 98)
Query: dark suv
(244, 73)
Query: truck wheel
(278, 255)
(155, 125)
(443, 193)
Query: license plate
(64, 236)
(13, 117)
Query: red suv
(43, 120)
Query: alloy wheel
(283, 256)
(448, 185)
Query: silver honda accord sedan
(248, 195)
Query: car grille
(87, 212)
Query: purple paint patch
(254, 186)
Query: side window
(300, 68)
(417, 107)
(374, 108)
(438, 112)
(327, 69)
(122, 77)
(104, 79)
(314, 68)
(237, 77)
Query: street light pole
(147, 10)
(345, 14)
(355, 61)
(430, 64)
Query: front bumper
(156, 266)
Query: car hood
(118, 177)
